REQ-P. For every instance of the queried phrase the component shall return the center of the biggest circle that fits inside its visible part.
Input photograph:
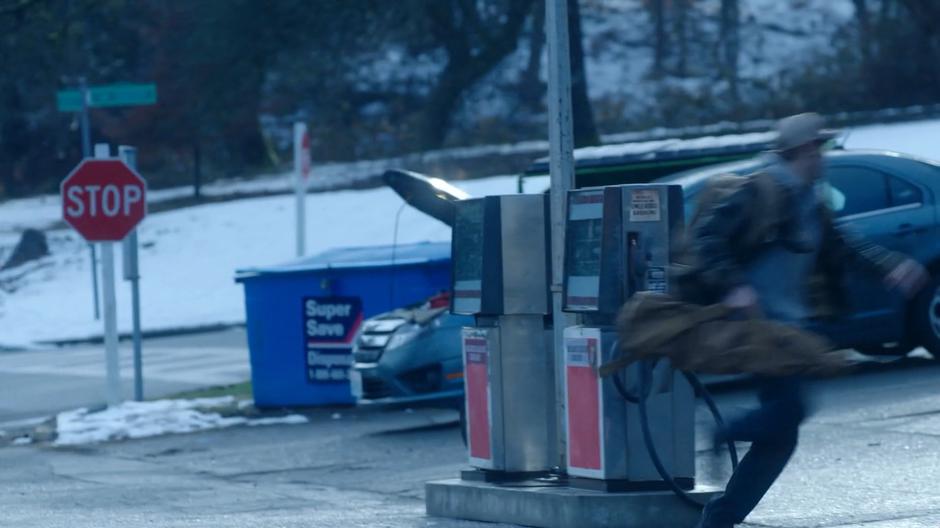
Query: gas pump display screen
(468, 242)
(468, 257)
(583, 247)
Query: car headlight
(372, 340)
(404, 335)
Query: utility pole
(561, 168)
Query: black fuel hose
(646, 373)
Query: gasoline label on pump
(644, 205)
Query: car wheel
(925, 317)
(463, 422)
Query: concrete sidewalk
(38, 383)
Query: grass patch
(241, 391)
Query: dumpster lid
(357, 257)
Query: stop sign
(103, 199)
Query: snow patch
(144, 419)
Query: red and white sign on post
(305, 154)
(104, 200)
(301, 173)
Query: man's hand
(741, 298)
(908, 277)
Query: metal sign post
(561, 167)
(86, 152)
(128, 154)
(112, 360)
(301, 170)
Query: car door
(889, 210)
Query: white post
(561, 168)
(102, 150)
(300, 182)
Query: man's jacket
(720, 244)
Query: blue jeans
(772, 430)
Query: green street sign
(110, 95)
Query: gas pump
(501, 276)
(618, 243)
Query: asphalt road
(869, 457)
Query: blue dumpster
(302, 316)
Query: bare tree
(864, 30)
(660, 36)
(927, 14)
(680, 23)
(730, 46)
(476, 38)
(585, 131)
(531, 87)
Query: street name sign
(106, 96)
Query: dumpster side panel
(276, 344)
(275, 322)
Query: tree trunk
(473, 50)
(532, 89)
(730, 48)
(680, 29)
(585, 131)
(927, 15)
(864, 31)
(661, 43)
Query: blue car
(412, 356)
(891, 199)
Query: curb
(126, 336)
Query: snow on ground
(153, 418)
(189, 256)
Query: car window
(857, 190)
(903, 193)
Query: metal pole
(132, 274)
(112, 362)
(86, 127)
(110, 325)
(94, 279)
(561, 168)
(86, 152)
(300, 130)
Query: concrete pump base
(531, 503)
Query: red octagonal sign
(103, 199)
